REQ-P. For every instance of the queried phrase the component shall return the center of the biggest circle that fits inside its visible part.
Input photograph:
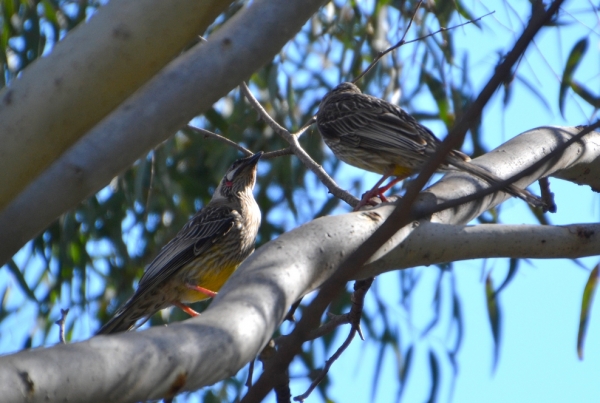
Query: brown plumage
(372, 134)
(202, 256)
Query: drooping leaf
(434, 367)
(404, 371)
(14, 269)
(512, 270)
(494, 317)
(587, 96)
(586, 304)
(573, 61)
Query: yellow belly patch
(210, 278)
(400, 171)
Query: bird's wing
(202, 231)
(379, 126)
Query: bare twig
(277, 153)
(402, 42)
(547, 195)
(61, 325)
(290, 315)
(151, 184)
(220, 138)
(388, 50)
(401, 215)
(328, 364)
(297, 149)
(334, 322)
(282, 379)
(250, 374)
(358, 299)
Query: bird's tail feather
(122, 321)
(493, 179)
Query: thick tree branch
(186, 87)
(91, 71)
(149, 364)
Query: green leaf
(586, 304)
(493, 311)
(512, 270)
(404, 371)
(586, 95)
(14, 269)
(572, 63)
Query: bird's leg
(366, 197)
(202, 290)
(194, 287)
(375, 191)
(387, 187)
(185, 308)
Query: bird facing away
(372, 134)
(202, 256)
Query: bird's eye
(229, 183)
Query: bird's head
(240, 177)
(341, 89)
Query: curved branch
(156, 363)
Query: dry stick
(292, 139)
(334, 322)
(358, 300)
(282, 380)
(292, 344)
(151, 184)
(385, 52)
(245, 151)
(547, 195)
(401, 42)
(277, 153)
(250, 374)
(290, 315)
(220, 138)
(61, 325)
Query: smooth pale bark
(99, 64)
(185, 88)
(198, 352)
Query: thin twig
(151, 184)
(334, 322)
(443, 29)
(277, 153)
(250, 374)
(282, 379)
(328, 365)
(297, 149)
(220, 138)
(290, 315)
(358, 299)
(401, 42)
(385, 52)
(61, 325)
(547, 195)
